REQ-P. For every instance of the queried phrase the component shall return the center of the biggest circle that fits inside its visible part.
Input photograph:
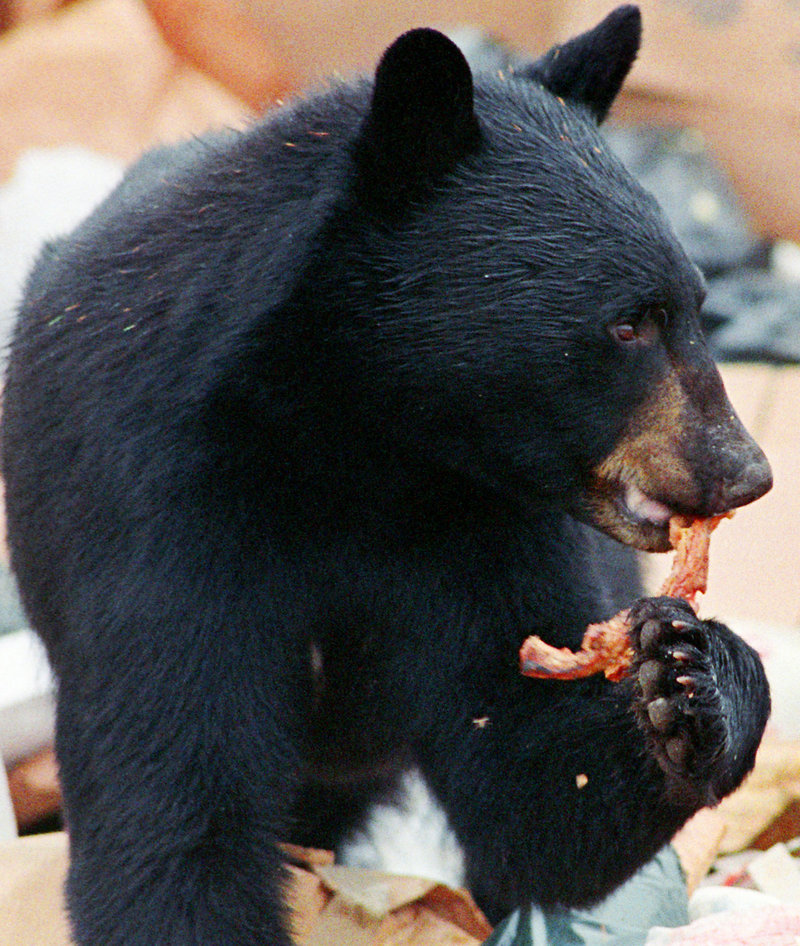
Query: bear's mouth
(628, 514)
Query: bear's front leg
(559, 791)
(701, 698)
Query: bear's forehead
(549, 164)
(528, 104)
(518, 117)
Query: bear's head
(517, 309)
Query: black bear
(305, 430)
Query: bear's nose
(752, 479)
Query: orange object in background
(231, 43)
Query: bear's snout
(684, 452)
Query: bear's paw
(678, 701)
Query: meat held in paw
(607, 646)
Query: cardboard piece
(228, 43)
(34, 788)
(14, 12)
(32, 874)
(755, 808)
(697, 845)
(330, 905)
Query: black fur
(292, 436)
(592, 67)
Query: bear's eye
(640, 332)
(624, 333)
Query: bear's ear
(421, 119)
(591, 68)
